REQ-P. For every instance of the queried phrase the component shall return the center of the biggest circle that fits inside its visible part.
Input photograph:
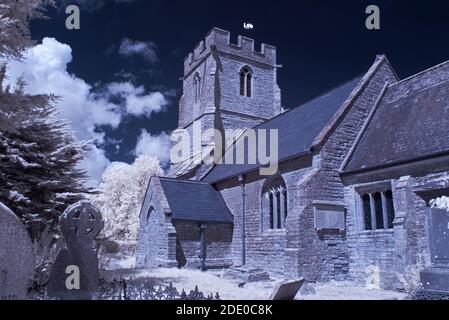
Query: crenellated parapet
(221, 41)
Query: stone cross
(75, 275)
(81, 223)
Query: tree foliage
(15, 16)
(39, 177)
(121, 194)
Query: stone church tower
(227, 86)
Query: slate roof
(297, 127)
(195, 201)
(180, 169)
(411, 122)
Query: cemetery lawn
(214, 281)
(350, 291)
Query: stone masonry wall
(218, 63)
(405, 247)
(262, 103)
(371, 252)
(264, 247)
(300, 250)
(152, 246)
(157, 236)
(325, 256)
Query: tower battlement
(221, 40)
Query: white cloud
(95, 163)
(146, 50)
(44, 69)
(136, 101)
(154, 145)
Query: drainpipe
(202, 255)
(243, 222)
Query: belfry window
(197, 87)
(246, 82)
(274, 203)
(378, 210)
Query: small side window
(378, 210)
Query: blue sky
(120, 72)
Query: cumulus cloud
(95, 163)
(154, 145)
(146, 50)
(136, 101)
(44, 69)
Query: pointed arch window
(197, 87)
(246, 82)
(149, 214)
(274, 203)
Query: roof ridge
(364, 127)
(362, 82)
(420, 73)
(184, 180)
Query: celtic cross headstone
(75, 274)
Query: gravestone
(287, 290)
(436, 277)
(17, 260)
(75, 274)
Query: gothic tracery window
(274, 202)
(246, 82)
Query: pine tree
(39, 177)
(15, 16)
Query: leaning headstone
(75, 274)
(287, 290)
(17, 260)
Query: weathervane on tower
(248, 26)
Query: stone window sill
(274, 232)
(376, 232)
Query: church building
(357, 167)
